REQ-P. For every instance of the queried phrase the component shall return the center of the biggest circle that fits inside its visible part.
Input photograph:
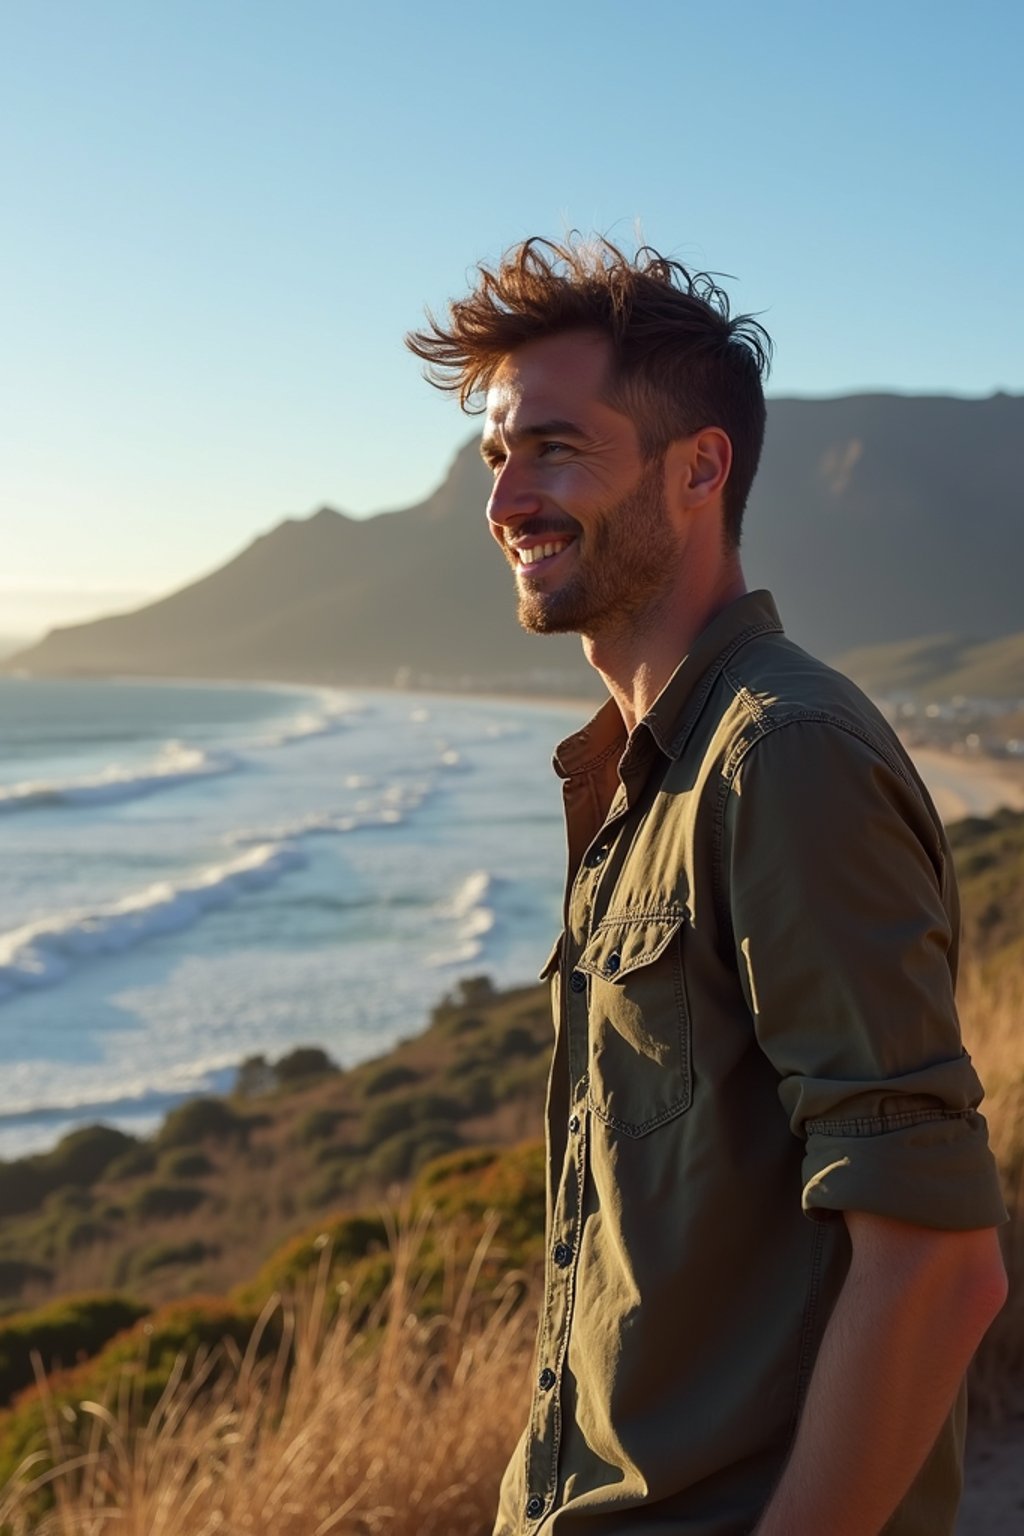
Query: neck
(635, 666)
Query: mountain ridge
(876, 519)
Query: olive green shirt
(754, 1024)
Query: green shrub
(402, 1155)
(68, 1201)
(255, 1077)
(186, 1163)
(473, 991)
(452, 1022)
(469, 1062)
(476, 1180)
(517, 1040)
(170, 1255)
(83, 1156)
(23, 1187)
(200, 1120)
(521, 1079)
(394, 1116)
(136, 1163)
(475, 1094)
(336, 1182)
(79, 1160)
(350, 1238)
(157, 1202)
(150, 1351)
(81, 1232)
(62, 1332)
(317, 1125)
(304, 1062)
(387, 1119)
(387, 1079)
(435, 1106)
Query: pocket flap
(552, 960)
(622, 945)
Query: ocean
(193, 874)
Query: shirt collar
(669, 718)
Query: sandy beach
(969, 786)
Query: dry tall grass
(402, 1426)
(992, 1007)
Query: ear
(696, 469)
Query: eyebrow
(556, 427)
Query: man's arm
(910, 1315)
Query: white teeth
(540, 552)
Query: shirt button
(613, 963)
(596, 856)
(562, 1255)
(578, 981)
(574, 1123)
(535, 1508)
(546, 1379)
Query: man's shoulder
(772, 683)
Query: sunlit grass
(401, 1426)
(992, 1007)
(397, 1423)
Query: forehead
(559, 376)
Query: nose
(513, 497)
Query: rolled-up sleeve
(844, 914)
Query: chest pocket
(639, 1027)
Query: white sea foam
(43, 952)
(334, 714)
(142, 1094)
(390, 808)
(472, 908)
(176, 764)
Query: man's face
(578, 512)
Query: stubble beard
(625, 570)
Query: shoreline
(969, 786)
(960, 785)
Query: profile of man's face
(578, 511)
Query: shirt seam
(766, 724)
(875, 1125)
(698, 698)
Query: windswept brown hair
(680, 362)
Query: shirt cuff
(936, 1172)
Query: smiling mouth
(536, 555)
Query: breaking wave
(176, 764)
(473, 911)
(335, 713)
(43, 952)
(390, 808)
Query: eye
(547, 448)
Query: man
(771, 1204)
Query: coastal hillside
(875, 519)
(369, 1244)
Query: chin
(538, 620)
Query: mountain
(874, 519)
(941, 667)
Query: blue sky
(220, 218)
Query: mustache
(535, 527)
